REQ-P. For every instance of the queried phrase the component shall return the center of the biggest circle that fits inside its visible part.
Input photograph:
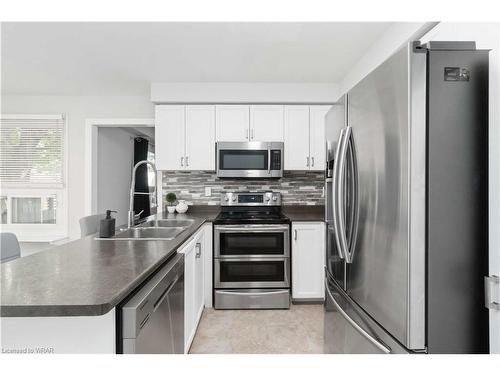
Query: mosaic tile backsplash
(297, 188)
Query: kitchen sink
(161, 229)
(167, 223)
(149, 233)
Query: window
(32, 162)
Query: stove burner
(265, 208)
(238, 216)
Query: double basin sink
(161, 229)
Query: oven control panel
(248, 198)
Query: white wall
(77, 109)
(115, 150)
(487, 36)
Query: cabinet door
(189, 293)
(200, 137)
(169, 137)
(232, 123)
(308, 259)
(199, 292)
(297, 137)
(207, 271)
(317, 136)
(266, 123)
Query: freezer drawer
(349, 330)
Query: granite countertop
(304, 213)
(89, 277)
(86, 277)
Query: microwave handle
(269, 159)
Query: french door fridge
(406, 205)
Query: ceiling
(124, 58)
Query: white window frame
(40, 232)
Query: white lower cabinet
(189, 282)
(199, 291)
(194, 289)
(308, 260)
(207, 258)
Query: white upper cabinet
(186, 134)
(169, 137)
(185, 137)
(305, 137)
(243, 123)
(296, 137)
(200, 137)
(232, 123)
(317, 136)
(266, 123)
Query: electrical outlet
(208, 191)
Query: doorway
(110, 148)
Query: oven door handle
(250, 293)
(254, 258)
(253, 228)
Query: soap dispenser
(107, 227)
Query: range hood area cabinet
(247, 123)
(185, 137)
(305, 137)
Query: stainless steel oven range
(251, 252)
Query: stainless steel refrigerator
(406, 205)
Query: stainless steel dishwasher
(153, 319)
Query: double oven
(251, 252)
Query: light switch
(208, 191)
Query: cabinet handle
(182, 161)
(187, 161)
(307, 161)
(312, 160)
(253, 133)
(295, 234)
(247, 133)
(198, 250)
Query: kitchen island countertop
(87, 277)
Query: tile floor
(294, 331)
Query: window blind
(32, 150)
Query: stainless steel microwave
(249, 159)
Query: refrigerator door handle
(335, 188)
(354, 217)
(383, 347)
(341, 226)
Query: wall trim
(243, 92)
